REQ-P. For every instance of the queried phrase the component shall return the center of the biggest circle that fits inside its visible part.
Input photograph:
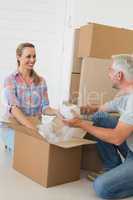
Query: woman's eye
(29, 56)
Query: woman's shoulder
(11, 75)
(10, 78)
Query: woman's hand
(52, 112)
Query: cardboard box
(88, 153)
(74, 88)
(95, 85)
(45, 163)
(100, 41)
(76, 65)
(90, 158)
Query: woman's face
(28, 58)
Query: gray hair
(124, 63)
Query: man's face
(113, 75)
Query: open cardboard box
(46, 164)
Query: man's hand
(76, 122)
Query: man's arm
(90, 109)
(103, 108)
(114, 136)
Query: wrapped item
(46, 130)
(57, 125)
(69, 111)
(53, 130)
(46, 119)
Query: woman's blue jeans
(117, 181)
(7, 136)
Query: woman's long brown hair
(19, 51)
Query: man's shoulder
(130, 101)
(131, 95)
(122, 98)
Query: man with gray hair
(112, 133)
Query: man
(113, 133)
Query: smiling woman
(25, 91)
(26, 56)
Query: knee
(100, 187)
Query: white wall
(50, 25)
(111, 12)
(42, 23)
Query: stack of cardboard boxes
(96, 44)
(76, 70)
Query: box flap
(74, 142)
(13, 123)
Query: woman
(24, 90)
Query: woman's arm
(19, 115)
(12, 103)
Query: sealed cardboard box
(95, 85)
(101, 41)
(45, 163)
(90, 157)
